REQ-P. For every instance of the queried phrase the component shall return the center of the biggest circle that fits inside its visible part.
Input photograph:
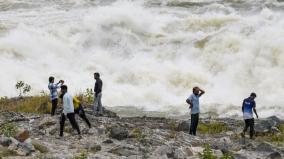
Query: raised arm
(201, 92)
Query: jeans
(249, 123)
(194, 123)
(98, 104)
(71, 117)
(54, 103)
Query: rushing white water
(150, 53)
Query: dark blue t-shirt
(249, 104)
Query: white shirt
(68, 106)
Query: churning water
(150, 53)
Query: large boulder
(267, 125)
(183, 126)
(118, 133)
(22, 135)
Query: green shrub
(227, 156)
(89, 95)
(8, 130)
(207, 153)
(82, 155)
(137, 133)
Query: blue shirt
(248, 105)
(194, 99)
(53, 90)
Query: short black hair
(97, 74)
(194, 88)
(64, 87)
(51, 78)
(253, 94)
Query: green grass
(35, 104)
(212, 128)
(8, 130)
(137, 133)
(207, 153)
(82, 155)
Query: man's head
(195, 90)
(64, 89)
(252, 95)
(51, 79)
(96, 75)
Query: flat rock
(47, 121)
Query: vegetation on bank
(38, 104)
(276, 138)
(208, 153)
(212, 128)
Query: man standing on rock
(68, 110)
(53, 93)
(193, 101)
(247, 108)
(98, 108)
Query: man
(193, 101)
(68, 110)
(53, 93)
(247, 108)
(78, 109)
(98, 108)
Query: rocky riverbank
(112, 137)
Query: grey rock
(267, 125)
(95, 148)
(239, 156)
(124, 151)
(5, 141)
(47, 121)
(274, 155)
(39, 146)
(134, 157)
(165, 150)
(108, 141)
(179, 154)
(118, 133)
(25, 148)
(183, 126)
(264, 147)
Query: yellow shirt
(76, 102)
